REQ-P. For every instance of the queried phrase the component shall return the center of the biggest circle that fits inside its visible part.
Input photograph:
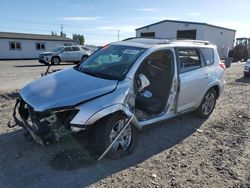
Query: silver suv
(122, 88)
(75, 53)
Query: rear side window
(84, 48)
(208, 56)
(76, 49)
(189, 59)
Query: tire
(107, 129)
(207, 104)
(84, 57)
(246, 74)
(55, 61)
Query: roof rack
(191, 41)
(167, 41)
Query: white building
(222, 37)
(29, 46)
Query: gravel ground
(183, 152)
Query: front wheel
(108, 129)
(207, 105)
(55, 61)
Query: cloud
(194, 14)
(148, 10)
(81, 18)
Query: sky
(100, 20)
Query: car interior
(159, 70)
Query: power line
(69, 32)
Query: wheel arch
(105, 112)
(56, 57)
(214, 86)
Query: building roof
(28, 36)
(185, 22)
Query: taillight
(222, 65)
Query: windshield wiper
(98, 74)
(90, 72)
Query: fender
(215, 83)
(89, 120)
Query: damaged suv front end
(43, 126)
(74, 99)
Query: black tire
(103, 136)
(84, 57)
(246, 74)
(208, 101)
(55, 61)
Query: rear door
(66, 54)
(193, 76)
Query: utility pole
(61, 30)
(118, 34)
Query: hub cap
(125, 139)
(208, 103)
(56, 61)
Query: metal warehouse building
(222, 37)
(29, 46)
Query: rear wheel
(108, 129)
(207, 105)
(55, 61)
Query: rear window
(208, 56)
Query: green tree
(79, 38)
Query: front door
(66, 54)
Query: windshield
(243, 41)
(111, 62)
(58, 49)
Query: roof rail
(191, 41)
(168, 41)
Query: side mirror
(142, 82)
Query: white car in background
(76, 53)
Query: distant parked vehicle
(241, 50)
(75, 54)
(247, 68)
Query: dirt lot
(171, 154)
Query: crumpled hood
(65, 88)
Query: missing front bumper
(19, 119)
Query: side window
(208, 56)
(15, 45)
(67, 49)
(189, 59)
(84, 48)
(75, 48)
(40, 46)
(158, 61)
